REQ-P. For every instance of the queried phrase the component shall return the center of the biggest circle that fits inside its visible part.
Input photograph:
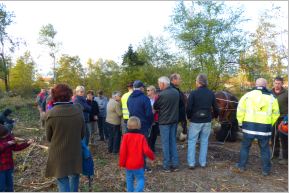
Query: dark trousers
(103, 132)
(155, 131)
(114, 138)
(279, 138)
(264, 149)
(6, 180)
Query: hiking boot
(174, 169)
(192, 167)
(148, 170)
(165, 170)
(238, 169)
(203, 167)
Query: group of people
(71, 120)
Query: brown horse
(227, 104)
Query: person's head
(151, 91)
(3, 130)
(89, 95)
(138, 85)
(163, 82)
(7, 112)
(80, 91)
(202, 80)
(43, 90)
(61, 93)
(261, 82)
(116, 95)
(175, 79)
(278, 83)
(100, 93)
(133, 123)
(130, 86)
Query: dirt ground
(218, 176)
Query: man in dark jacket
(139, 105)
(168, 107)
(175, 83)
(282, 96)
(199, 107)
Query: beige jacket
(113, 112)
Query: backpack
(283, 126)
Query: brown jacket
(64, 125)
(113, 112)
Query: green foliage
(207, 33)
(265, 58)
(22, 75)
(70, 71)
(131, 58)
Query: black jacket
(168, 106)
(182, 102)
(94, 110)
(200, 105)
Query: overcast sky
(102, 29)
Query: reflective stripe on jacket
(257, 111)
(124, 98)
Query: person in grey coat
(168, 107)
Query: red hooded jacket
(132, 150)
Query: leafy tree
(103, 75)
(156, 51)
(266, 57)
(70, 71)
(207, 33)
(22, 74)
(6, 19)
(47, 35)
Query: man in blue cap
(139, 105)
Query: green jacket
(65, 128)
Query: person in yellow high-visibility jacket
(124, 98)
(257, 112)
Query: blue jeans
(265, 152)
(87, 134)
(68, 183)
(169, 145)
(140, 180)
(196, 129)
(6, 181)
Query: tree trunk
(5, 73)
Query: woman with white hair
(80, 99)
(113, 122)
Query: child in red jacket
(7, 145)
(133, 148)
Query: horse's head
(227, 104)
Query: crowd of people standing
(130, 123)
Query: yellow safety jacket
(257, 112)
(125, 112)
